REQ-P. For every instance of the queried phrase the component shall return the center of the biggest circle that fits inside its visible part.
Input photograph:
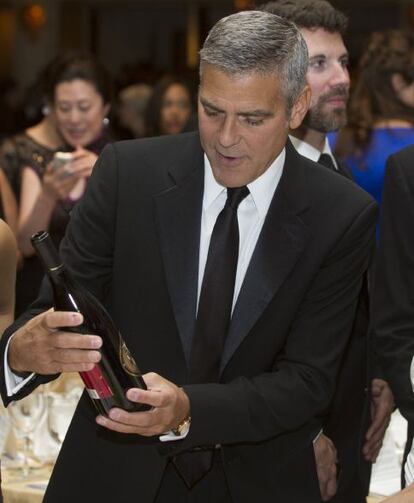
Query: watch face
(183, 428)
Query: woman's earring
(105, 121)
(45, 110)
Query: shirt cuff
(317, 437)
(169, 436)
(14, 383)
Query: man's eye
(318, 64)
(254, 122)
(210, 113)
(345, 63)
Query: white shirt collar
(309, 151)
(261, 189)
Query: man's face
(243, 123)
(328, 78)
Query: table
(30, 490)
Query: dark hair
(155, 103)
(70, 66)
(309, 14)
(374, 98)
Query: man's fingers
(327, 482)
(378, 425)
(155, 398)
(330, 489)
(57, 319)
(138, 419)
(152, 380)
(375, 425)
(73, 367)
(67, 340)
(372, 448)
(126, 428)
(75, 356)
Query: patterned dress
(16, 153)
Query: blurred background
(137, 40)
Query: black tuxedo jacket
(348, 418)
(133, 241)
(393, 292)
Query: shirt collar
(309, 151)
(261, 190)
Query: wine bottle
(117, 371)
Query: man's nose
(340, 75)
(229, 132)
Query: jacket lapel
(281, 242)
(178, 212)
(343, 169)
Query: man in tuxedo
(348, 435)
(233, 282)
(392, 297)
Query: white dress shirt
(309, 151)
(251, 214)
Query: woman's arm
(8, 254)
(8, 202)
(37, 201)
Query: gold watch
(183, 428)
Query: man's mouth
(228, 159)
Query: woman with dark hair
(77, 93)
(170, 108)
(381, 114)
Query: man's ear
(300, 108)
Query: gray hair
(258, 42)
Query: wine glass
(61, 407)
(25, 415)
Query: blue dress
(368, 169)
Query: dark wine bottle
(117, 371)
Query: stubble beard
(327, 121)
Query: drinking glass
(25, 415)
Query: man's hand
(40, 346)
(170, 406)
(382, 405)
(326, 458)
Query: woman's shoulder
(23, 150)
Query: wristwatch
(183, 428)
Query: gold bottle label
(127, 361)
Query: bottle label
(92, 393)
(127, 360)
(96, 384)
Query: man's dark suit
(133, 241)
(349, 415)
(393, 292)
